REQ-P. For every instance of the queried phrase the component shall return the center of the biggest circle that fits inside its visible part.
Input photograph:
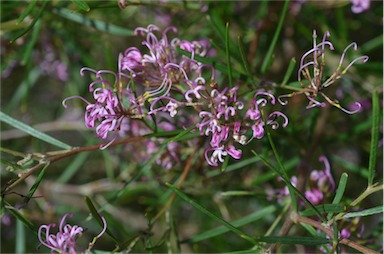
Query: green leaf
(289, 184)
(26, 12)
(326, 208)
(20, 237)
(25, 31)
(97, 24)
(366, 212)
(374, 138)
(36, 184)
(228, 55)
(33, 132)
(97, 217)
(213, 216)
(82, 5)
(339, 192)
(238, 223)
(244, 60)
(225, 164)
(31, 43)
(288, 74)
(268, 57)
(19, 216)
(295, 240)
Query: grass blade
(267, 60)
(213, 216)
(238, 223)
(33, 132)
(375, 137)
(366, 212)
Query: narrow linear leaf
(295, 240)
(31, 43)
(20, 217)
(225, 164)
(97, 24)
(36, 184)
(375, 137)
(238, 223)
(26, 12)
(20, 237)
(366, 212)
(268, 57)
(228, 55)
(244, 60)
(97, 217)
(284, 172)
(25, 31)
(33, 132)
(288, 74)
(326, 208)
(82, 5)
(339, 192)
(289, 184)
(212, 216)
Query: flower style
(315, 82)
(64, 241)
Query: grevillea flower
(312, 66)
(108, 110)
(222, 120)
(64, 241)
(162, 67)
(320, 184)
(359, 6)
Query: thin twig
(49, 159)
(329, 232)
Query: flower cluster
(312, 69)
(64, 241)
(319, 185)
(161, 82)
(224, 123)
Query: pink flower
(64, 241)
